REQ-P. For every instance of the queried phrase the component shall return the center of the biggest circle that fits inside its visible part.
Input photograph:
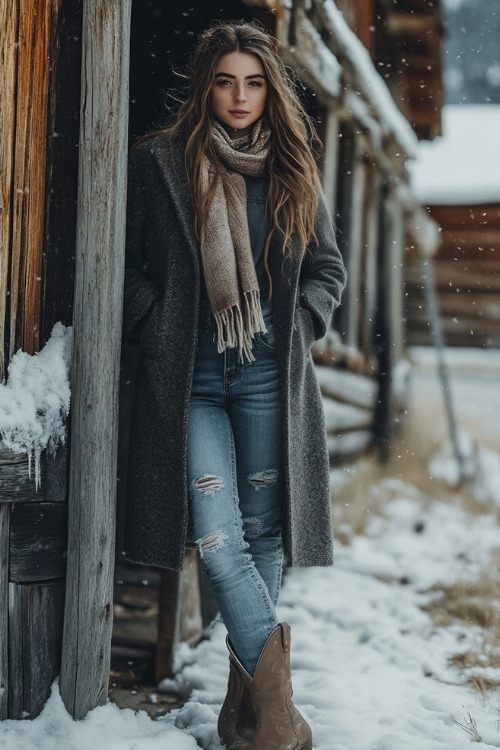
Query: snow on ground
(371, 670)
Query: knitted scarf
(227, 260)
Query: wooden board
(16, 484)
(96, 318)
(341, 447)
(61, 174)
(4, 610)
(35, 632)
(38, 540)
(29, 174)
(8, 66)
(486, 216)
(348, 388)
(344, 417)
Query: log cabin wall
(467, 273)
(404, 41)
(39, 106)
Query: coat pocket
(305, 324)
(148, 337)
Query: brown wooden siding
(467, 271)
(38, 176)
(39, 115)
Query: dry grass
(474, 604)
(469, 726)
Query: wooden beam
(38, 538)
(168, 623)
(63, 105)
(356, 250)
(269, 4)
(29, 175)
(370, 279)
(8, 65)
(364, 23)
(393, 274)
(16, 484)
(411, 24)
(331, 157)
(35, 629)
(97, 316)
(4, 610)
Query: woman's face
(239, 92)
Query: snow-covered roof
(462, 167)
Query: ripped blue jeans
(235, 458)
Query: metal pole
(438, 341)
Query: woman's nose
(239, 92)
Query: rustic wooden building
(65, 114)
(456, 180)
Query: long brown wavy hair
(292, 169)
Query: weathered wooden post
(95, 364)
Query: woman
(232, 271)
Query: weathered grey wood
(16, 484)
(95, 370)
(16, 675)
(345, 417)
(393, 273)
(4, 610)
(56, 484)
(356, 249)
(38, 539)
(191, 619)
(168, 623)
(371, 281)
(347, 387)
(331, 151)
(349, 444)
(35, 630)
(318, 66)
(61, 175)
(179, 613)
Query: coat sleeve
(323, 274)
(140, 294)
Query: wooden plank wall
(4, 610)
(33, 540)
(8, 66)
(28, 189)
(39, 111)
(467, 271)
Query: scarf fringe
(236, 329)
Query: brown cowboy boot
(236, 724)
(280, 726)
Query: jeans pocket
(266, 340)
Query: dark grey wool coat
(162, 292)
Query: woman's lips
(238, 113)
